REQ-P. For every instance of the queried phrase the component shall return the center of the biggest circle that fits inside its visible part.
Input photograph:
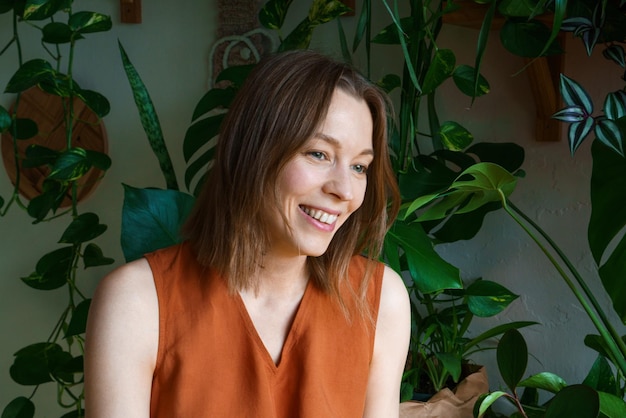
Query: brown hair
(278, 109)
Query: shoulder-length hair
(278, 109)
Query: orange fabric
(212, 363)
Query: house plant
(57, 359)
(598, 24)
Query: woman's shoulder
(134, 278)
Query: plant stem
(612, 345)
(579, 279)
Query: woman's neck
(283, 276)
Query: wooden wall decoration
(130, 11)
(47, 111)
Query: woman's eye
(318, 155)
(359, 168)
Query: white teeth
(321, 216)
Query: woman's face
(325, 182)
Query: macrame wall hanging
(241, 40)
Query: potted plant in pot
(65, 172)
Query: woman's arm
(393, 328)
(121, 344)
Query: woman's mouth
(320, 215)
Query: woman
(267, 309)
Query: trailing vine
(58, 358)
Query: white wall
(170, 50)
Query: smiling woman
(275, 296)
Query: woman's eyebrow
(336, 143)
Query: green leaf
(320, 12)
(24, 128)
(518, 8)
(83, 228)
(32, 364)
(571, 114)
(59, 85)
(601, 377)
(200, 133)
(78, 323)
(30, 74)
(495, 331)
(578, 401)
(454, 136)
(93, 257)
(57, 33)
(95, 101)
(527, 38)
(49, 200)
(486, 298)
(19, 407)
(299, 38)
(608, 179)
(464, 77)
(324, 11)
(451, 364)
(98, 159)
(611, 405)
(389, 34)
(512, 356)
(151, 219)
(52, 270)
(37, 155)
(545, 381)
(389, 82)
(214, 99)
(608, 132)
(612, 274)
(42, 9)
(149, 121)
(272, 14)
(70, 165)
(574, 95)
(363, 27)
(478, 185)
(485, 402)
(236, 74)
(616, 54)
(441, 68)
(201, 164)
(577, 133)
(615, 105)
(429, 271)
(89, 22)
(483, 37)
(5, 120)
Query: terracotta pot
(457, 403)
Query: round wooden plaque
(47, 111)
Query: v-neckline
(291, 337)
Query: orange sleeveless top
(212, 363)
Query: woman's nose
(339, 184)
